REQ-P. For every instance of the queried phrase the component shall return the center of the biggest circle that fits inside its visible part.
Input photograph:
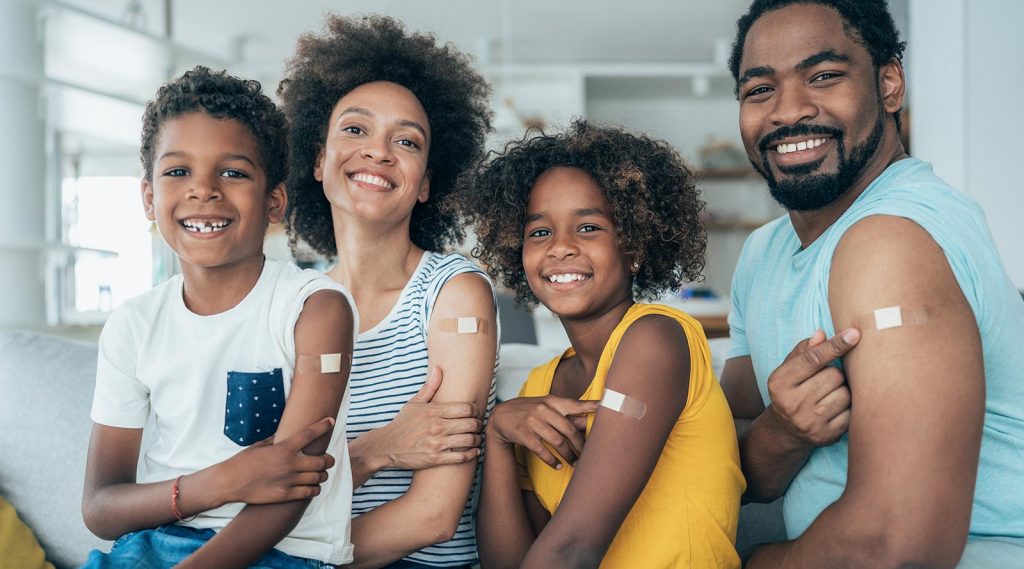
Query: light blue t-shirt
(780, 296)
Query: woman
(383, 123)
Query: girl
(383, 123)
(584, 222)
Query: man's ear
(318, 168)
(146, 188)
(277, 203)
(424, 193)
(892, 84)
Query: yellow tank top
(686, 516)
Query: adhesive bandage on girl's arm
(323, 363)
(892, 317)
(464, 325)
(623, 403)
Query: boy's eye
(539, 233)
(588, 228)
(234, 174)
(176, 172)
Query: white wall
(964, 69)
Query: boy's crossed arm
(324, 327)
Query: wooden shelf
(727, 174)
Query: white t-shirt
(216, 384)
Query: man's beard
(803, 190)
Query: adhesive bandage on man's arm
(323, 363)
(464, 325)
(623, 403)
(891, 317)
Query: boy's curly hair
(220, 96)
(353, 52)
(655, 203)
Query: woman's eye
(352, 129)
(234, 174)
(539, 233)
(176, 172)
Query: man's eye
(176, 172)
(234, 174)
(826, 76)
(539, 233)
(760, 90)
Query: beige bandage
(323, 363)
(464, 325)
(892, 317)
(624, 404)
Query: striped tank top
(389, 366)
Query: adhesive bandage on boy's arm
(464, 325)
(323, 363)
(622, 403)
(891, 317)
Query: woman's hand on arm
(621, 451)
(423, 435)
(430, 510)
(325, 326)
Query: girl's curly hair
(353, 52)
(655, 203)
(221, 96)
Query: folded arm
(429, 512)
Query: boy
(211, 353)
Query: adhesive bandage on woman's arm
(464, 325)
(323, 363)
(892, 317)
(623, 403)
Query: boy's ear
(318, 168)
(146, 187)
(424, 193)
(277, 203)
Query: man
(930, 387)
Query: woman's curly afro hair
(353, 52)
(654, 201)
(220, 96)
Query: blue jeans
(166, 546)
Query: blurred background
(75, 75)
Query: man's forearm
(770, 459)
(255, 530)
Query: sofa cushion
(46, 386)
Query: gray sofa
(46, 386)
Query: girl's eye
(176, 172)
(408, 143)
(539, 233)
(234, 174)
(588, 228)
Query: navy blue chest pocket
(253, 406)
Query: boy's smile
(570, 247)
(208, 195)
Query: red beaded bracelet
(175, 492)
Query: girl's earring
(636, 266)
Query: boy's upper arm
(325, 326)
(917, 389)
(652, 365)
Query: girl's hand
(270, 472)
(426, 434)
(533, 421)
